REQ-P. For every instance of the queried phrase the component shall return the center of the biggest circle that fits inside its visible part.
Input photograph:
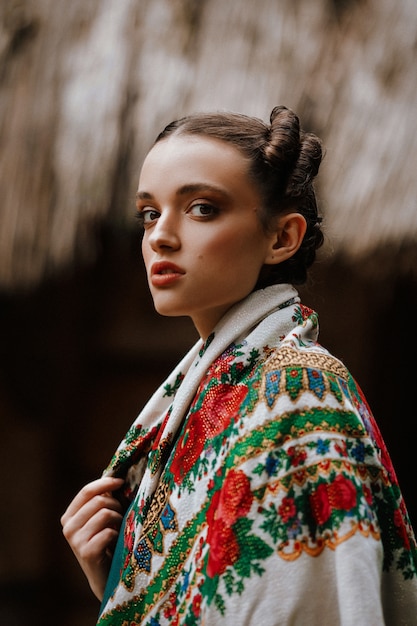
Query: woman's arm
(91, 526)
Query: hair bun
(282, 147)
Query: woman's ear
(286, 238)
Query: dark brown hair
(283, 162)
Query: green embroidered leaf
(294, 381)
(170, 390)
(252, 549)
(257, 548)
(229, 581)
(209, 588)
(157, 539)
(259, 469)
(219, 603)
(186, 485)
(242, 527)
(272, 524)
(206, 344)
(253, 357)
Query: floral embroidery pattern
(214, 415)
(247, 488)
(339, 495)
(138, 558)
(229, 504)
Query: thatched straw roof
(86, 84)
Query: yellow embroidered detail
(293, 550)
(290, 357)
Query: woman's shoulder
(311, 357)
(292, 371)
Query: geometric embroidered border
(289, 357)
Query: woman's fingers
(101, 486)
(94, 515)
(92, 510)
(91, 526)
(84, 526)
(99, 548)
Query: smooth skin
(91, 526)
(204, 248)
(200, 212)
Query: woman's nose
(164, 234)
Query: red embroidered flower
(197, 604)
(188, 450)
(235, 497)
(221, 366)
(170, 606)
(224, 549)
(297, 454)
(220, 405)
(305, 311)
(320, 505)
(340, 494)
(287, 509)
(161, 431)
(341, 448)
(231, 502)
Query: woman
(254, 487)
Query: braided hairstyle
(283, 162)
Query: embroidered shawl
(259, 489)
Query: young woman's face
(203, 244)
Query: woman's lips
(164, 273)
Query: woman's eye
(203, 210)
(147, 216)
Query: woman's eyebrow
(200, 187)
(187, 189)
(143, 195)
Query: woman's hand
(91, 526)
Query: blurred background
(84, 88)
